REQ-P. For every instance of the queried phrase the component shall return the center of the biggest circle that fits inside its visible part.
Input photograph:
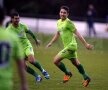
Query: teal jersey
(10, 50)
(21, 33)
(67, 29)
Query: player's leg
(94, 31)
(33, 61)
(89, 29)
(32, 72)
(29, 69)
(65, 53)
(37, 65)
(60, 65)
(81, 71)
(57, 61)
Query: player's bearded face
(16, 20)
(63, 14)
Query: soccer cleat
(67, 77)
(38, 78)
(46, 75)
(86, 82)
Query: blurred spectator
(10, 49)
(90, 20)
(107, 23)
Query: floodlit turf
(95, 63)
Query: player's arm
(33, 36)
(18, 56)
(20, 64)
(56, 36)
(87, 45)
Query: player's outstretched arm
(36, 40)
(20, 64)
(56, 36)
(87, 45)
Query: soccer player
(21, 30)
(10, 50)
(66, 30)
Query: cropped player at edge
(10, 48)
(21, 30)
(66, 29)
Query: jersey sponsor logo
(21, 34)
(31, 49)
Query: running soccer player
(10, 51)
(21, 30)
(66, 30)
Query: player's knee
(76, 63)
(56, 61)
(31, 59)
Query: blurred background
(42, 15)
(50, 8)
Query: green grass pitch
(95, 63)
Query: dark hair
(65, 7)
(14, 14)
(2, 15)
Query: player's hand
(37, 42)
(89, 46)
(48, 45)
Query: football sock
(36, 64)
(62, 67)
(31, 71)
(82, 71)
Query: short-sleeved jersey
(66, 29)
(21, 33)
(10, 49)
